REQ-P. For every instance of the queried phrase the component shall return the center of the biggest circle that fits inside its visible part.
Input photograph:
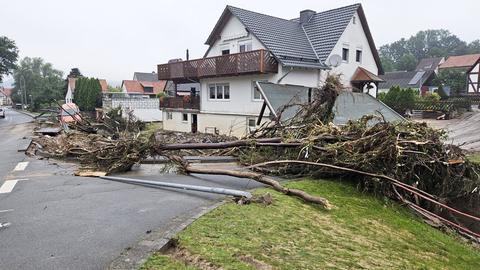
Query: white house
(246, 47)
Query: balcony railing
(259, 61)
(186, 102)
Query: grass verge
(362, 232)
(474, 158)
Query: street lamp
(23, 91)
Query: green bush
(399, 99)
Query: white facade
(354, 39)
(474, 78)
(236, 106)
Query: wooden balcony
(253, 62)
(186, 102)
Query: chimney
(305, 15)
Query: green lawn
(474, 157)
(362, 232)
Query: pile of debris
(404, 161)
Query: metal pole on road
(224, 191)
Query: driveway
(59, 221)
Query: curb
(26, 113)
(159, 240)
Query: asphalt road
(59, 221)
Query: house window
(354, 20)
(358, 56)
(148, 89)
(246, 47)
(219, 91)
(225, 52)
(256, 92)
(169, 116)
(251, 124)
(185, 117)
(345, 52)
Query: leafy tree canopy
(74, 73)
(8, 56)
(40, 82)
(453, 78)
(399, 99)
(400, 54)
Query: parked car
(2, 113)
(70, 113)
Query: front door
(194, 123)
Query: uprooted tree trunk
(187, 168)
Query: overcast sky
(113, 38)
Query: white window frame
(348, 54)
(361, 55)
(183, 120)
(216, 86)
(248, 46)
(251, 129)
(254, 85)
(169, 115)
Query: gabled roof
(404, 79)
(461, 61)
(137, 87)
(103, 84)
(145, 76)
(429, 64)
(363, 75)
(295, 44)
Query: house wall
(231, 36)
(146, 110)
(177, 123)
(475, 79)
(241, 96)
(353, 38)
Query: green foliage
(454, 78)
(399, 99)
(88, 93)
(424, 44)
(362, 232)
(433, 97)
(112, 89)
(407, 62)
(387, 64)
(8, 56)
(43, 84)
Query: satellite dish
(334, 60)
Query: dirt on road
(463, 131)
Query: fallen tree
(405, 161)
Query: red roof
(461, 61)
(363, 75)
(6, 91)
(103, 84)
(138, 86)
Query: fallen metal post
(225, 191)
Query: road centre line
(21, 166)
(5, 211)
(8, 186)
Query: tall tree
(88, 93)
(428, 43)
(8, 56)
(41, 83)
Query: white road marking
(5, 211)
(8, 186)
(21, 166)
